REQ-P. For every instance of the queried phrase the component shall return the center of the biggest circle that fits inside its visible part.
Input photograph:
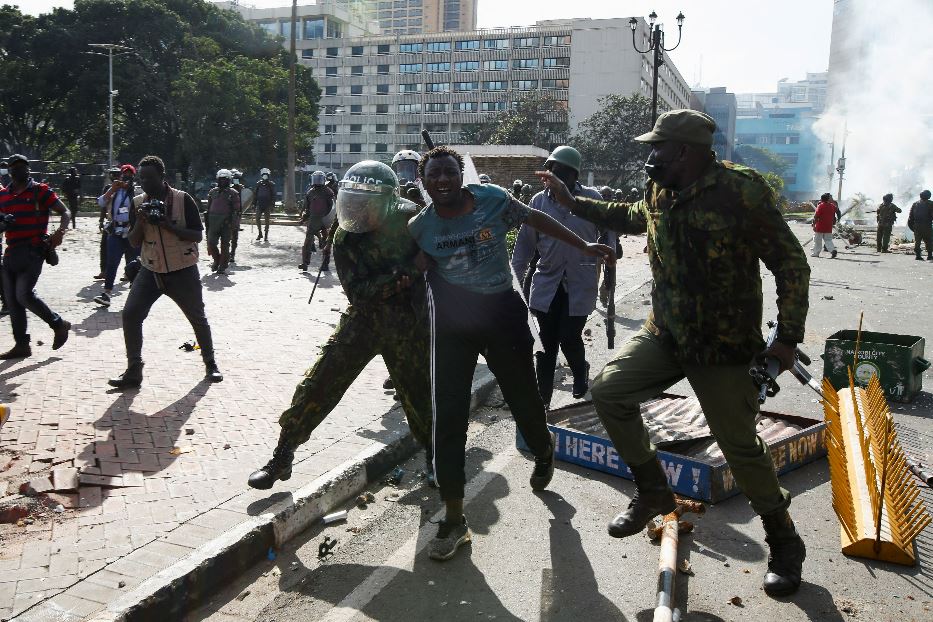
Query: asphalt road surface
(546, 556)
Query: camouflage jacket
(921, 215)
(887, 214)
(369, 264)
(704, 245)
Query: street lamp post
(121, 50)
(657, 46)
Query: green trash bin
(897, 360)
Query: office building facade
(718, 103)
(379, 92)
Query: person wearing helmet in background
(919, 221)
(606, 193)
(264, 195)
(517, 186)
(223, 202)
(563, 285)
(526, 194)
(886, 216)
(237, 184)
(618, 195)
(379, 270)
(405, 165)
(484, 179)
(315, 212)
(332, 183)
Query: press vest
(162, 251)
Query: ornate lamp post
(657, 46)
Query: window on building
(495, 44)
(383, 48)
(382, 108)
(330, 148)
(495, 86)
(409, 107)
(525, 85)
(435, 127)
(356, 70)
(270, 27)
(435, 107)
(437, 46)
(495, 65)
(551, 83)
(356, 128)
(382, 70)
(466, 65)
(557, 40)
(551, 63)
(466, 86)
(492, 106)
(525, 63)
(466, 107)
(330, 129)
(333, 52)
(307, 53)
(409, 68)
(382, 128)
(410, 87)
(330, 109)
(356, 109)
(330, 90)
(330, 72)
(526, 42)
(286, 29)
(409, 47)
(382, 148)
(334, 30)
(356, 50)
(382, 89)
(471, 44)
(437, 87)
(356, 148)
(356, 89)
(438, 67)
(313, 28)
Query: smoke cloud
(879, 87)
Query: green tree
(61, 113)
(761, 159)
(232, 103)
(606, 140)
(537, 119)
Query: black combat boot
(653, 496)
(785, 561)
(581, 381)
(61, 328)
(212, 372)
(20, 350)
(279, 468)
(544, 469)
(131, 378)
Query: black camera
(6, 220)
(155, 211)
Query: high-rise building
(379, 92)
(408, 17)
(718, 103)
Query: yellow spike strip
(873, 492)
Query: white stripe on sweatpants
(432, 328)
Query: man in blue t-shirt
(475, 310)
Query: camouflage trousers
(392, 329)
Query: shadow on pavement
(6, 389)
(569, 589)
(215, 282)
(259, 506)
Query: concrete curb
(185, 584)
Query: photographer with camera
(116, 208)
(24, 217)
(167, 230)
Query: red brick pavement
(143, 504)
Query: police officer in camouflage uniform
(316, 213)
(708, 223)
(886, 216)
(376, 263)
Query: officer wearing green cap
(563, 281)
(376, 260)
(709, 223)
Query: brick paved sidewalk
(163, 468)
